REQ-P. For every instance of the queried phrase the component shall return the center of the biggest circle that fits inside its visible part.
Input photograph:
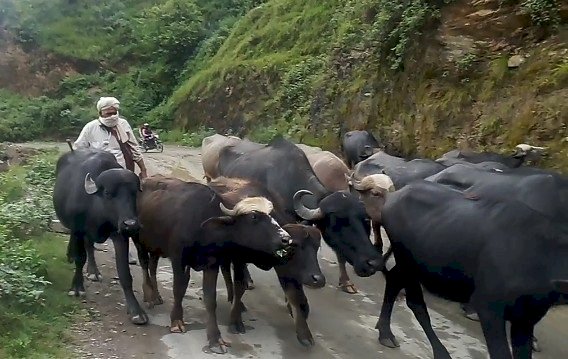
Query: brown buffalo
(191, 224)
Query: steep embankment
(486, 74)
(58, 56)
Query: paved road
(342, 324)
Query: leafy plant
(21, 277)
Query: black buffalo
(478, 250)
(190, 224)
(540, 190)
(522, 153)
(358, 146)
(284, 170)
(400, 170)
(96, 199)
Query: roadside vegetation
(35, 311)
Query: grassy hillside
(424, 75)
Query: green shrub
(542, 12)
(194, 139)
(21, 277)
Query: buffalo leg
(147, 288)
(299, 309)
(236, 325)
(471, 314)
(522, 340)
(378, 238)
(415, 301)
(394, 283)
(137, 314)
(226, 271)
(153, 265)
(181, 280)
(76, 252)
(93, 273)
(495, 333)
(344, 280)
(249, 284)
(216, 343)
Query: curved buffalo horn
(90, 185)
(303, 211)
(229, 212)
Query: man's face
(107, 112)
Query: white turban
(106, 102)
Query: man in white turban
(112, 133)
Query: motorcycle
(153, 143)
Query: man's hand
(143, 173)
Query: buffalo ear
(90, 185)
(218, 222)
(561, 286)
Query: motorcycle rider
(147, 135)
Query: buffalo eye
(254, 216)
(107, 194)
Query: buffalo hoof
(237, 328)
(220, 347)
(307, 342)
(389, 341)
(155, 301)
(348, 287)
(158, 300)
(77, 293)
(177, 326)
(139, 319)
(94, 277)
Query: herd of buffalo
(483, 229)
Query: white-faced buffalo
(358, 146)
(478, 250)
(522, 153)
(382, 173)
(190, 224)
(373, 190)
(285, 171)
(96, 199)
(301, 268)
